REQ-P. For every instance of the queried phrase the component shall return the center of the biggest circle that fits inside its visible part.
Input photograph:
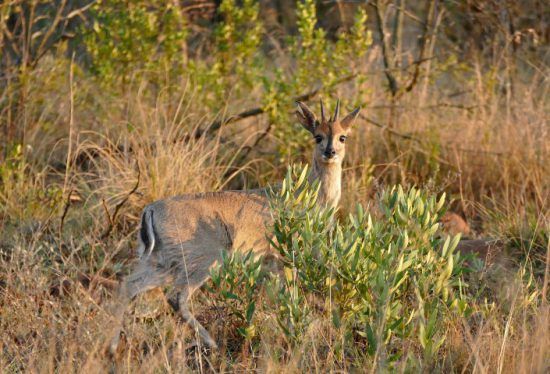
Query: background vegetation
(108, 105)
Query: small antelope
(181, 238)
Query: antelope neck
(330, 179)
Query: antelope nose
(329, 153)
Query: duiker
(182, 238)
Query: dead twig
(65, 211)
(260, 110)
(249, 148)
(386, 50)
(419, 141)
(390, 130)
(112, 218)
(424, 41)
(390, 50)
(106, 209)
(91, 282)
(468, 108)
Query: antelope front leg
(188, 317)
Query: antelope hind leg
(136, 283)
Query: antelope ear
(306, 117)
(348, 120)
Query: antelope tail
(146, 234)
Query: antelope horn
(322, 111)
(336, 111)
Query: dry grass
(492, 157)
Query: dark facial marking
(329, 150)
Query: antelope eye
(318, 139)
(343, 139)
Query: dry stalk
(112, 218)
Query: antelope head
(329, 133)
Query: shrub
(235, 62)
(142, 35)
(24, 192)
(381, 280)
(235, 286)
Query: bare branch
(51, 29)
(397, 37)
(426, 35)
(388, 129)
(259, 110)
(112, 218)
(80, 11)
(419, 141)
(386, 54)
(65, 211)
(107, 213)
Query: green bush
(149, 38)
(382, 280)
(235, 286)
(24, 191)
(234, 64)
(146, 35)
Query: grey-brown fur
(181, 238)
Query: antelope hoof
(205, 344)
(196, 347)
(211, 344)
(113, 346)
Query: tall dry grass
(492, 157)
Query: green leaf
(371, 349)
(441, 202)
(229, 295)
(250, 311)
(446, 246)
